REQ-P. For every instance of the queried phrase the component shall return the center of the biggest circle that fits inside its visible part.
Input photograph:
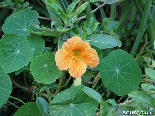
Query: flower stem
(17, 99)
(77, 81)
(60, 82)
(49, 95)
(13, 104)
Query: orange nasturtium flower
(75, 55)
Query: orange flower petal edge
(75, 55)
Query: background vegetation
(121, 31)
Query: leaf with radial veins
(28, 109)
(18, 22)
(73, 102)
(36, 43)
(120, 73)
(15, 52)
(44, 68)
(5, 87)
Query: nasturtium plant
(77, 57)
(103, 41)
(37, 30)
(120, 72)
(77, 103)
(36, 43)
(43, 106)
(5, 87)
(15, 52)
(18, 22)
(44, 69)
(92, 93)
(28, 109)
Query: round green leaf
(73, 102)
(120, 73)
(29, 109)
(15, 52)
(44, 69)
(36, 43)
(5, 87)
(43, 106)
(18, 22)
(104, 41)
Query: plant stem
(124, 17)
(93, 11)
(127, 102)
(102, 13)
(81, 2)
(19, 86)
(147, 80)
(49, 95)
(60, 82)
(113, 11)
(13, 104)
(1, 6)
(17, 99)
(77, 81)
(88, 11)
(133, 14)
(97, 78)
(120, 99)
(142, 27)
(151, 27)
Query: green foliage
(150, 73)
(111, 1)
(89, 27)
(5, 87)
(15, 52)
(122, 34)
(92, 93)
(103, 41)
(7, 2)
(18, 22)
(43, 106)
(69, 16)
(44, 69)
(36, 43)
(29, 109)
(72, 16)
(71, 7)
(77, 102)
(143, 98)
(120, 72)
(36, 29)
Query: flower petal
(70, 43)
(90, 57)
(77, 69)
(81, 45)
(63, 59)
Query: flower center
(76, 55)
(76, 52)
